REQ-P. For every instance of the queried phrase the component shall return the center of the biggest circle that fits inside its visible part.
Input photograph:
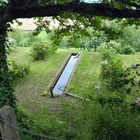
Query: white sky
(28, 24)
(90, 1)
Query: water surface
(63, 79)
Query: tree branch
(5, 16)
(81, 8)
(84, 9)
(61, 22)
(129, 3)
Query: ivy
(6, 91)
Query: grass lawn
(86, 74)
(88, 70)
(131, 59)
(46, 112)
(29, 91)
(64, 116)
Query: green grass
(86, 74)
(42, 73)
(20, 55)
(131, 59)
(63, 117)
(45, 111)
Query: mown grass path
(63, 116)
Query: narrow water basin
(61, 83)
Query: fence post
(7, 123)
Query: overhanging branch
(129, 3)
(86, 9)
(81, 8)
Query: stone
(8, 124)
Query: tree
(13, 9)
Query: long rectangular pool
(61, 83)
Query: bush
(22, 38)
(19, 71)
(115, 77)
(39, 50)
(94, 43)
(116, 47)
(131, 37)
(111, 99)
(112, 45)
(111, 69)
(115, 117)
(115, 123)
(111, 72)
(127, 50)
(42, 47)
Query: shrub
(111, 99)
(19, 71)
(116, 118)
(22, 38)
(110, 46)
(115, 123)
(116, 47)
(94, 43)
(115, 77)
(39, 50)
(131, 37)
(42, 47)
(111, 69)
(127, 50)
(110, 73)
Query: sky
(28, 24)
(90, 1)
